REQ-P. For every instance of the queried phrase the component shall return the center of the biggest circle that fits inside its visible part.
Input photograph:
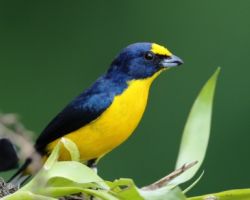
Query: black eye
(149, 55)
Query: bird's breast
(124, 114)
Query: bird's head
(143, 60)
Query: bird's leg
(93, 164)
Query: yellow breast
(114, 126)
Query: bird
(104, 115)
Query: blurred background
(50, 51)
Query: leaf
(119, 189)
(193, 147)
(72, 173)
(163, 194)
(52, 159)
(27, 196)
(193, 184)
(55, 174)
(196, 132)
(72, 149)
(40, 179)
(65, 191)
(75, 172)
(239, 194)
(104, 195)
(125, 188)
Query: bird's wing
(77, 114)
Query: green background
(52, 50)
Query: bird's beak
(171, 61)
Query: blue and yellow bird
(107, 113)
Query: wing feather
(84, 109)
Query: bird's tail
(21, 175)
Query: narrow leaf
(53, 157)
(26, 196)
(163, 194)
(196, 132)
(239, 194)
(193, 184)
(72, 149)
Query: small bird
(107, 113)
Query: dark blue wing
(84, 109)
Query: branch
(165, 180)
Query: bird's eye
(149, 55)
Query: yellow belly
(114, 126)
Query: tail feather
(21, 175)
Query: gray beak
(171, 61)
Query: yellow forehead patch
(160, 50)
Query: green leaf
(193, 184)
(196, 132)
(55, 175)
(65, 191)
(40, 179)
(74, 171)
(240, 194)
(71, 173)
(20, 195)
(52, 159)
(72, 149)
(163, 194)
(119, 189)
(125, 188)
(104, 195)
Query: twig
(163, 181)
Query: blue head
(143, 60)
